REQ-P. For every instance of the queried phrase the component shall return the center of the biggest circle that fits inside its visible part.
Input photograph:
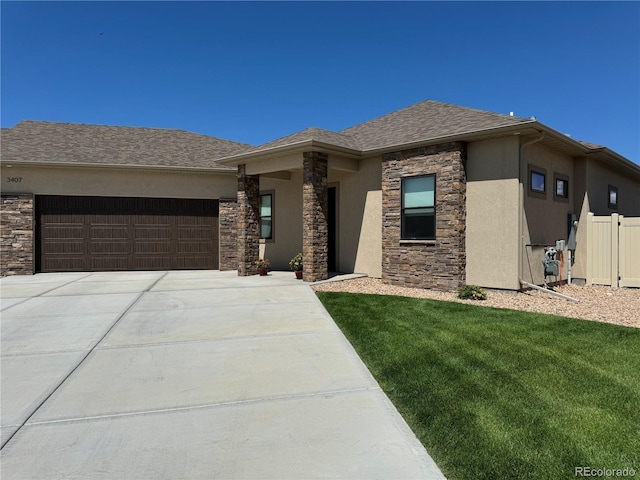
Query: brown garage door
(112, 233)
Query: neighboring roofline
(227, 170)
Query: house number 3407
(14, 179)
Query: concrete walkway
(188, 375)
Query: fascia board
(112, 166)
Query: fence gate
(613, 251)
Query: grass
(500, 394)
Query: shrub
(472, 292)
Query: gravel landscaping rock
(620, 306)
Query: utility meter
(551, 265)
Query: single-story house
(433, 196)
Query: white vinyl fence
(613, 251)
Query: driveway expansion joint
(230, 403)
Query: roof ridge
(432, 102)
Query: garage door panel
(64, 232)
(113, 248)
(152, 247)
(105, 233)
(65, 264)
(195, 234)
(111, 262)
(193, 247)
(108, 219)
(155, 263)
(66, 248)
(112, 233)
(157, 232)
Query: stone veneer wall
(315, 208)
(439, 263)
(228, 222)
(16, 226)
(248, 209)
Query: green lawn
(498, 394)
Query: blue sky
(253, 72)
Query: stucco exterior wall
(492, 213)
(544, 220)
(360, 218)
(117, 182)
(287, 220)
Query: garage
(82, 233)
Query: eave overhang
(117, 166)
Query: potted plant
(296, 265)
(263, 265)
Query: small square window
(613, 197)
(538, 181)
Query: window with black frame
(266, 216)
(418, 208)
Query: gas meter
(551, 265)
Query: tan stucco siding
(117, 182)
(599, 177)
(492, 214)
(287, 220)
(544, 220)
(360, 218)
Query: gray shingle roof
(314, 133)
(426, 120)
(48, 142)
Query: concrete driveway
(188, 375)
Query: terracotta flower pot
(262, 271)
(299, 274)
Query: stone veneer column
(248, 221)
(16, 233)
(439, 263)
(228, 222)
(315, 207)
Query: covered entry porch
(288, 202)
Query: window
(266, 216)
(613, 197)
(418, 208)
(537, 182)
(561, 192)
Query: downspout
(523, 184)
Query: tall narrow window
(561, 192)
(266, 216)
(418, 208)
(613, 197)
